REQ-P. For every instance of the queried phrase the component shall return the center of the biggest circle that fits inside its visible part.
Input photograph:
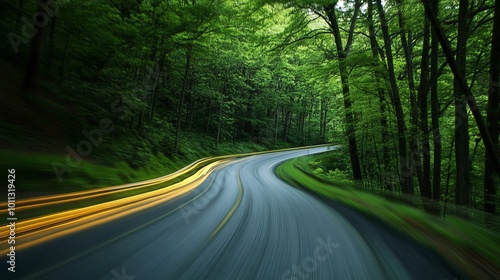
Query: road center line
(233, 209)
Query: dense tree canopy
(409, 88)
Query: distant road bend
(242, 222)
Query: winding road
(242, 222)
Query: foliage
(180, 79)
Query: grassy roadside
(467, 246)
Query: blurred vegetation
(469, 246)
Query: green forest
(101, 92)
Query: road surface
(241, 223)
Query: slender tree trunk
(350, 124)
(321, 116)
(325, 120)
(276, 125)
(377, 157)
(493, 115)
(155, 86)
(362, 152)
(436, 173)
(463, 179)
(63, 59)
(192, 109)
(20, 13)
(382, 103)
(35, 55)
(219, 126)
(301, 117)
(344, 76)
(286, 115)
(423, 91)
(183, 95)
(51, 45)
(448, 176)
(308, 123)
(405, 176)
(386, 154)
(414, 157)
(219, 123)
(209, 115)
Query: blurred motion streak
(37, 230)
(35, 202)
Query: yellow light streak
(37, 230)
(29, 203)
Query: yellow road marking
(231, 212)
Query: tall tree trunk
(321, 118)
(51, 44)
(209, 115)
(436, 133)
(276, 124)
(382, 103)
(493, 115)
(20, 13)
(463, 182)
(405, 176)
(309, 124)
(63, 59)
(448, 176)
(414, 157)
(155, 85)
(183, 95)
(219, 126)
(325, 120)
(344, 76)
(423, 91)
(286, 115)
(39, 23)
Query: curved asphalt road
(241, 223)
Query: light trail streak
(37, 230)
